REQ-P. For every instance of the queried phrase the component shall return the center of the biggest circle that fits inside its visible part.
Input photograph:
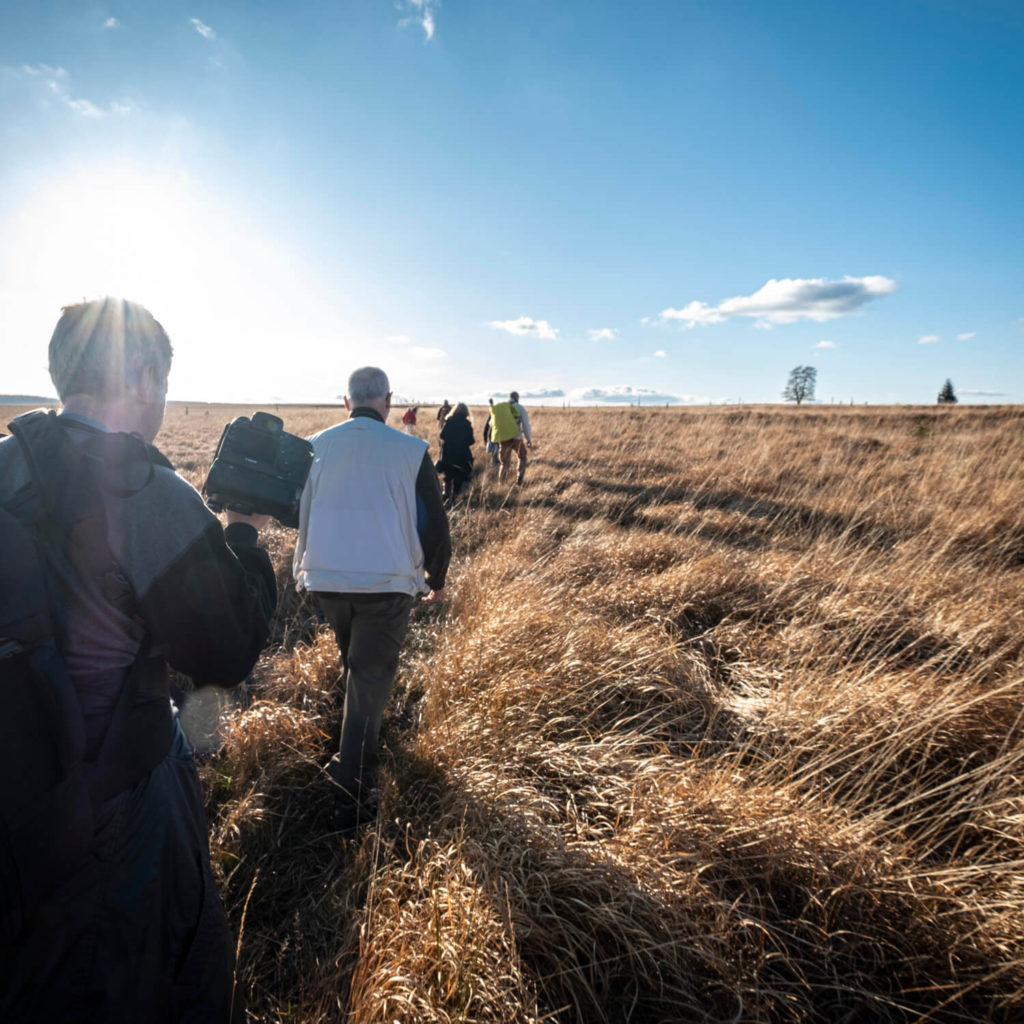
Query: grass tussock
(721, 721)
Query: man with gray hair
(373, 536)
(112, 913)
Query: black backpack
(48, 791)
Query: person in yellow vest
(510, 427)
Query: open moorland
(721, 721)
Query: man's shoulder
(13, 469)
(368, 426)
(367, 433)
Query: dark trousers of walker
(369, 629)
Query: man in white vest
(373, 537)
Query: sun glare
(218, 287)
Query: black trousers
(369, 629)
(139, 935)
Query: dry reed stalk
(721, 722)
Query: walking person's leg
(505, 454)
(460, 478)
(521, 452)
(378, 626)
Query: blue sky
(671, 201)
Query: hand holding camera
(259, 469)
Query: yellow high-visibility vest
(504, 422)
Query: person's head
(490, 401)
(109, 359)
(461, 410)
(368, 386)
(513, 396)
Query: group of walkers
(506, 434)
(115, 572)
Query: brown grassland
(721, 721)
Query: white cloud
(602, 334)
(111, 23)
(400, 339)
(928, 339)
(53, 84)
(693, 315)
(626, 394)
(966, 336)
(538, 394)
(422, 14)
(826, 344)
(660, 354)
(526, 325)
(423, 352)
(204, 30)
(786, 301)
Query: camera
(259, 468)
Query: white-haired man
(373, 536)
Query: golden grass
(722, 721)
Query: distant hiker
(492, 445)
(409, 419)
(456, 462)
(113, 914)
(443, 411)
(510, 427)
(362, 552)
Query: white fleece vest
(357, 520)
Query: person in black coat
(456, 462)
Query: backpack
(48, 791)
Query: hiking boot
(348, 816)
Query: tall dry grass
(721, 721)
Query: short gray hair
(367, 384)
(97, 345)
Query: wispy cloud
(602, 334)
(982, 394)
(111, 23)
(625, 394)
(966, 336)
(526, 325)
(785, 301)
(204, 30)
(538, 394)
(53, 85)
(660, 354)
(928, 339)
(424, 352)
(399, 339)
(826, 344)
(421, 12)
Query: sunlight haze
(671, 202)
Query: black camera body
(259, 468)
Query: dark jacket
(139, 933)
(456, 440)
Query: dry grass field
(721, 721)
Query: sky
(661, 201)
